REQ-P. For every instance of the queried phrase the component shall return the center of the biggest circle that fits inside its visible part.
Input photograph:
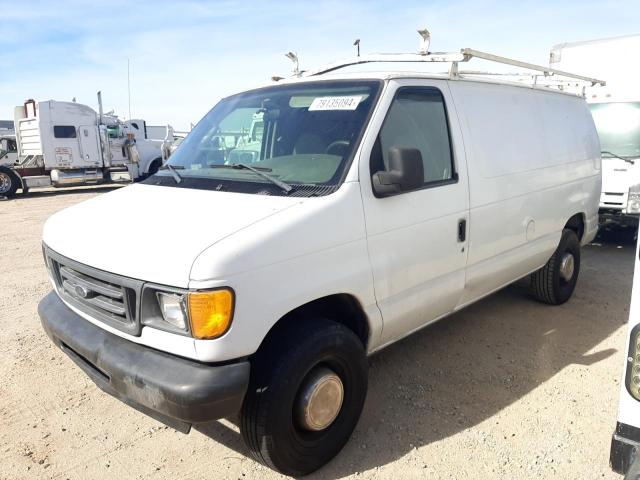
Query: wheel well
(576, 223)
(155, 161)
(341, 308)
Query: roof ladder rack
(425, 56)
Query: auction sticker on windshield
(335, 103)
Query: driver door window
(417, 118)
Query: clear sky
(185, 56)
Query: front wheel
(9, 182)
(305, 397)
(554, 283)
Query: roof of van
(392, 75)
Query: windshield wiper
(258, 171)
(626, 159)
(176, 176)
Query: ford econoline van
(303, 226)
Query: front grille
(108, 298)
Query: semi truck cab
(68, 143)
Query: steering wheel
(340, 147)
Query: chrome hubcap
(320, 399)
(5, 182)
(567, 265)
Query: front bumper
(625, 450)
(176, 391)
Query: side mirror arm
(386, 183)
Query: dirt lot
(508, 388)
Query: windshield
(618, 126)
(304, 135)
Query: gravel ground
(508, 388)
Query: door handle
(462, 230)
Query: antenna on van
(294, 58)
(424, 41)
(357, 45)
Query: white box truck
(66, 143)
(367, 206)
(616, 112)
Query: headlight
(633, 200)
(173, 310)
(202, 314)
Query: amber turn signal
(210, 313)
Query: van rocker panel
(174, 390)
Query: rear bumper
(625, 450)
(176, 391)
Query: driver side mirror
(406, 172)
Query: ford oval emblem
(81, 291)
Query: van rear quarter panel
(534, 161)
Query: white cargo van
(368, 206)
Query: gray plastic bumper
(176, 391)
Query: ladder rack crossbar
(471, 53)
(465, 55)
(388, 58)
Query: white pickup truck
(372, 205)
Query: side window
(64, 131)
(417, 119)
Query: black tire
(154, 166)
(548, 283)
(268, 422)
(9, 182)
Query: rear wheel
(9, 182)
(305, 397)
(554, 283)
